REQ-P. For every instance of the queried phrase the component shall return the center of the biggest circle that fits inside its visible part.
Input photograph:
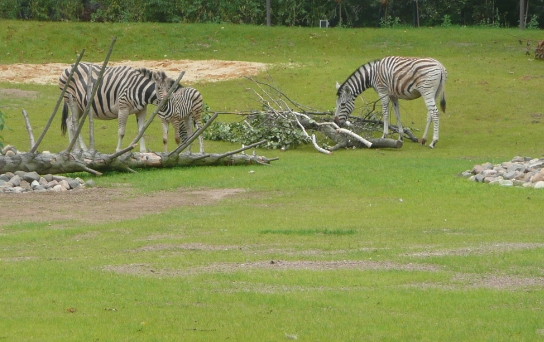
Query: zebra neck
(362, 78)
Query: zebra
(123, 91)
(395, 78)
(185, 105)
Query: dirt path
(113, 204)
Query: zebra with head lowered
(183, 107)
(395, 78)
(123, 91)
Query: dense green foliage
(363, 245)
(348, 13)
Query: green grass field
(363, 245)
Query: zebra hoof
(423, 141)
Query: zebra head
(344, 103)
(161, 84)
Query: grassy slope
(492, 91)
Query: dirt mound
(195, 71)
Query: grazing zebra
(396, 78)
(123, 91)
(185, 105)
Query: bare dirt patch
(96, 205)
(195, 71)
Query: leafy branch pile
(284, 123)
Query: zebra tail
(443, 90)
(63, 125)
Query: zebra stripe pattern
(182, 110)
(123, 91)
(395, 78)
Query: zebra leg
(189, 131)
(140, 119)
(385, 113)
(198, 124)
(123, 114)
(434, 116)
(397, 115)
(431, 115)
(424, 138)
(164, 134)
(72, 122)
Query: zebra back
(121, 86)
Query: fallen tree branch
(97, 163)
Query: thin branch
(243, 149)
(161, 104)
(89, 100)
(350, 133)
(61, 97)
(28, 128)
(95, 89)
(199, 131)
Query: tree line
(340, 13)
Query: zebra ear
(337, 85)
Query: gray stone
(466, 174)
(48, 177)
(15, 180)
(537, 177)
(506, 182)
(35, 184)
(510, 175)
(59, 178)
(4, 178)
(20, 173)
(479, 178)
(17, 190)
(25, 185)
(539, 185)
(73, 183)
(31, 176)
(59, 188)
(489, 173)
(487, 166)
(64, 184)
(90, 183)
(477, 169)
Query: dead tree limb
(61, 98)
(95, 89)
(97, 163)
(28, 128)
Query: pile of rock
(520, 171)
(20, 181)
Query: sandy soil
(195, 71)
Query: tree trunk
(96, 163)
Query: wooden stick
(28, 128)
(199, 131)
(163, 101)
(95, 89)
(242, 149)
(89, 99)
(350, 133)
(61, 97)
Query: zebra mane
(357, 72)
(162, 77)
(145, 72)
